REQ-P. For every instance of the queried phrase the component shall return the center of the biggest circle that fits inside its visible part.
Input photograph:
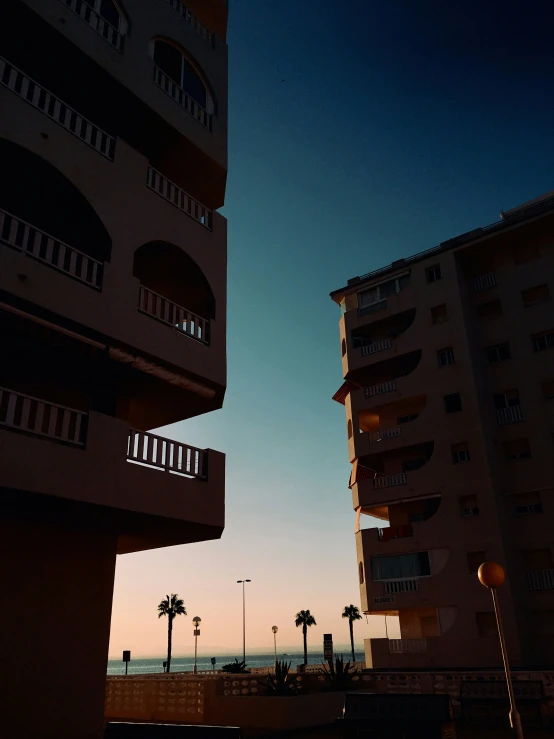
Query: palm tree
(305, 619)
(352, 613)
(171, 606)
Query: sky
(359, 132)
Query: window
(469, 506)
(433, 273)
(526, 253)
(400, 566)
(548, 389)
(527, 503)
(542, 623)
(172, 63)
(452, 403)
(487, 311)
(109, 12)
(460, 453)
(361, 572)
(376, 297)
(439, 314)
(507, 399)
(544, 341)
(527, 508)
(445, 356)
(486, 624)
(499, 353)
(406, 419)
(534, 295)
(349, 426)
(475, 560)
(517, 449)
(343, 347)
(537, 559)
(412, 464)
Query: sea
(186, 664)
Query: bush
(339, 673)
(283, 682)
(235, 667)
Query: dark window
(534, 295)
(526, 253)
(349, 425)
(433, 273)
(548, 389)
(172, 62)
(469, 506)
(361, 572)
(542, 342)
(439, 313)
(487, 311)
(412, 464)
(517, 449)
(507, 399)
(401, 566)
(445, 356)
(522, 510)
(460, 453)
(452, 403)
(343, 347)
(109, 11)
(499, 353)
(475, 560)
(407, 419)
(526, 504)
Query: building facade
(448, 362)
(113, 261)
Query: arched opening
(343, 347)
(33, 191)
(112, 12)
(361, 572)
(174, 63)
(174, 288)
(349, 425)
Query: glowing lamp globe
(491, 575)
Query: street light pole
(492, 576)
(196, 621)
(275, 630)
(243, 619)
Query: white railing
(182, 200)
(505, 416)
(390, 481)
(199, 27)
(25, 413)
(174, 315)
(86, 13)
(407, 646)
(184, 99)
(540, 580)
(409, 585)
(377, 346)
(37, 96)
(382, 387)
(165, 454)
(483, 282)
(382, 434)
(26, 238)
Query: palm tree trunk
(351, 624)
(305, 633)
(169, 635)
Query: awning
(343, 391)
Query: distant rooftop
(530, 209)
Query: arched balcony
(44, 215)
(106, 17)
(174, 290)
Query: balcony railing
(25, 413)
(37, 96)
(380, 389)
(407, 646)
(376, 346)
(504, 416)
(540, 579)
(87, 13)
(199, 27)
(409, 585)
(395, 532)
(184, 99)
(22, 236)
(484, 282)
(174, 315)
(179, 198)
(390, 481)
(386, 433)
(170, 456)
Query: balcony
(505, 416)
(170, 456)
(86, 13)
(390, 481)
(174, 315)
(407, 585)
(395, 532)
(177, 93)
(29, 240)
(58, 111)
(484, 282)
(190, 18)
(384, 433)
(380, 389)
(376, 346)
(407, 646)
(540, 579)
(179, 198)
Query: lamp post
(275, 630)
(196, 621)
(492, 576)
(243, 619)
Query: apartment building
(448, 366)
(113, 144)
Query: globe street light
(492, 576)
(196, 621)
(243, 620)
(275, 630)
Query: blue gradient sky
(398, 125)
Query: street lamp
(492, 576)
(196, 621)
(275, 630)
(243, 619)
